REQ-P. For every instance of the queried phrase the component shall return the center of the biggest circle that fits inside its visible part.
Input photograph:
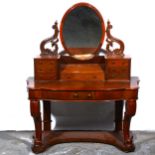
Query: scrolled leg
(130, 111)
(35, 113)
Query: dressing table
(82, 72)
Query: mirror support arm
(116, 52)
(53, 40)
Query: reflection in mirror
(82, 32)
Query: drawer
(82, 77)
(45, 69)
(73, 95)
(85, 95)
(45, 66)
(118, 73)
(82, 72)
(118, 62)
(117, 68)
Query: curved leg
(35, 113)
(118, 115)
(130, 111)
(47, 115)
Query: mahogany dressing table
(82, 72)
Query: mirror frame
(102, 26)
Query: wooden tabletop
(57, 85)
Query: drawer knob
(89, 95)
(75, 95)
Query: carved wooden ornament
(116, 52)
(53, 40)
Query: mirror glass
(82, 31)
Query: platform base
(51, 138)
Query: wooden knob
(75, 95)
(89, 95)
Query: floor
(19, 143)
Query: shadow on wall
(83, 116)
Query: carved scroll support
(115, 52)
(53, 40)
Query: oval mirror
(82, 31)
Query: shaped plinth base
(55, 137)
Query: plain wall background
(24, 23)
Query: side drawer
(121, 73)
(117, 68)
(45, 69)
(118, 62)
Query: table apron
(84, 95)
